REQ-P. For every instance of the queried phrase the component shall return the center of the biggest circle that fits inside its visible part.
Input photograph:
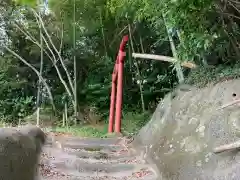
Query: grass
(131, 124)
(84, 131)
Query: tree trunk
(174, 52)
(66, 114)
(63, 119)
(141, 85)
(39, 80)
(53, 58)
(38, 74)
(75, 63)
(138, 71)
(39, 19)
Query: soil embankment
(185, 129)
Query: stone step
(94, 159)
(149, 177)
(98, 170)
(88, 144)
(90, 147)
(72, 171)
(106, 141)
(83, 154)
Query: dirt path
(72, 158)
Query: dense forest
(59, 55)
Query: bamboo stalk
(137, 68)
(177, 65)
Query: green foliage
(203, 27)
(198, 34)
(132, 122)
(203, 76)
(31, 3)
(200, 29)
(14, 108)
(15, 102)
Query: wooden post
(163, 58)
(113, 97)
(117, 76)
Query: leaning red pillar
(113, 97)
(121, 56)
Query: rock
(184, 131)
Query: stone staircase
(72, 158)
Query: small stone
(199, 163)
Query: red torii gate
(117, 78)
